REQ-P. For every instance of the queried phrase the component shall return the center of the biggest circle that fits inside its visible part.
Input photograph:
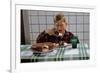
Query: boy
(58, 35)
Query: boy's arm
(43, 37)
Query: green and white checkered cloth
(58, 54)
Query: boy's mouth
(59, 30)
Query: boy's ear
(66, 23)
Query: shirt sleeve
(70, 36)
(43, 37)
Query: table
(58, 54)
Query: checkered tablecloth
(58, 54)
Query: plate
(42, 53)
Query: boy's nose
(59, 28)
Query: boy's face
(60, 26)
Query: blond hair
(59, 17)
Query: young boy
(58, 33)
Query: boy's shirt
(45, 37)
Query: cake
(43, 47)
